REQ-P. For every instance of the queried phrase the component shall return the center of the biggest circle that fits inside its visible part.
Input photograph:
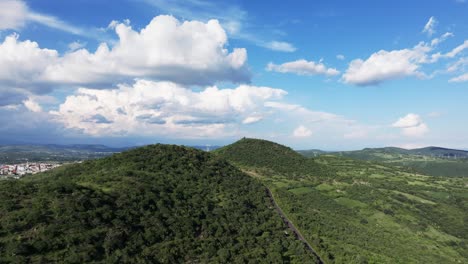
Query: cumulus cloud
(190, 52)
(303, 67)
(429, 28)
(302, 132)
(411, 125)
(23, 62)
(163, 108)
(232, 17)
(32, 105)
(387, 65)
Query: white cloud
(387, 65)
(54, 22)
(14, 14)
(458, 65)
(451, 54)
(340, 57)
(234, 19)
(429, 28)
(280, 46)
(164, 108)
(444, 37)
(252, 119)
(410, 120)
(457, 50)
(76, 45)
(32, 105)
(303, 67)
(191, 53)
(22, 64)
(460, 78)
(411, 125)
(302, 132)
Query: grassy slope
(156, 204)
(365, 212)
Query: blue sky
(333, 75)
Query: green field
(430, 161)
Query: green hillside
(156, 204)
(364, 212)
(430, 161)
(271, 158)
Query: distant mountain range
(53, 152)
(434, 161)
(427, 151)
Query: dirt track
(291, 226)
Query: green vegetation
(362, 212)
(156, 204)
(430, 161)
(271, 158)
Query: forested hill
(156, 204)
(263, 154)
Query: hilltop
(155, 204)
(270, 157)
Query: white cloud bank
(190, 53)
(411, 125)
(164, 108)
(303, 67)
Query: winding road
(292, 227)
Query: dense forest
(359, 211)
(156, 204)
(271, 158)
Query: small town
(16, 171)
